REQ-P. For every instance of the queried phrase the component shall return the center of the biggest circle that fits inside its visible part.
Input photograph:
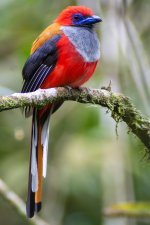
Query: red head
(77, 16)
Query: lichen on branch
(121, 107)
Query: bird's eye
(77, 17)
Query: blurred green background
(89, 168)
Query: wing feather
(39, 65)
(37, 79)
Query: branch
(132, 210)
(18, 204)
(121, 107)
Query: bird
(66, 53)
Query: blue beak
(90, 21)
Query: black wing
(39, 65)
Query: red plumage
(71, 69)
(65, 16)
(65, 54)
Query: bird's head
(80, 16)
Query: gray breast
(85, 41)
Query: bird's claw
(69, 88)
(107, 88)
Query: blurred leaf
(137, 209)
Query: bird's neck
(85, 41)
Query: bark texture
(121, 107)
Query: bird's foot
(107, 88)
(69, 88)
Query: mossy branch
(121, 107)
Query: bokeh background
(89, 167)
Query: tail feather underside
(38, 159)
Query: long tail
(38, 159)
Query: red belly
(70, 69)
